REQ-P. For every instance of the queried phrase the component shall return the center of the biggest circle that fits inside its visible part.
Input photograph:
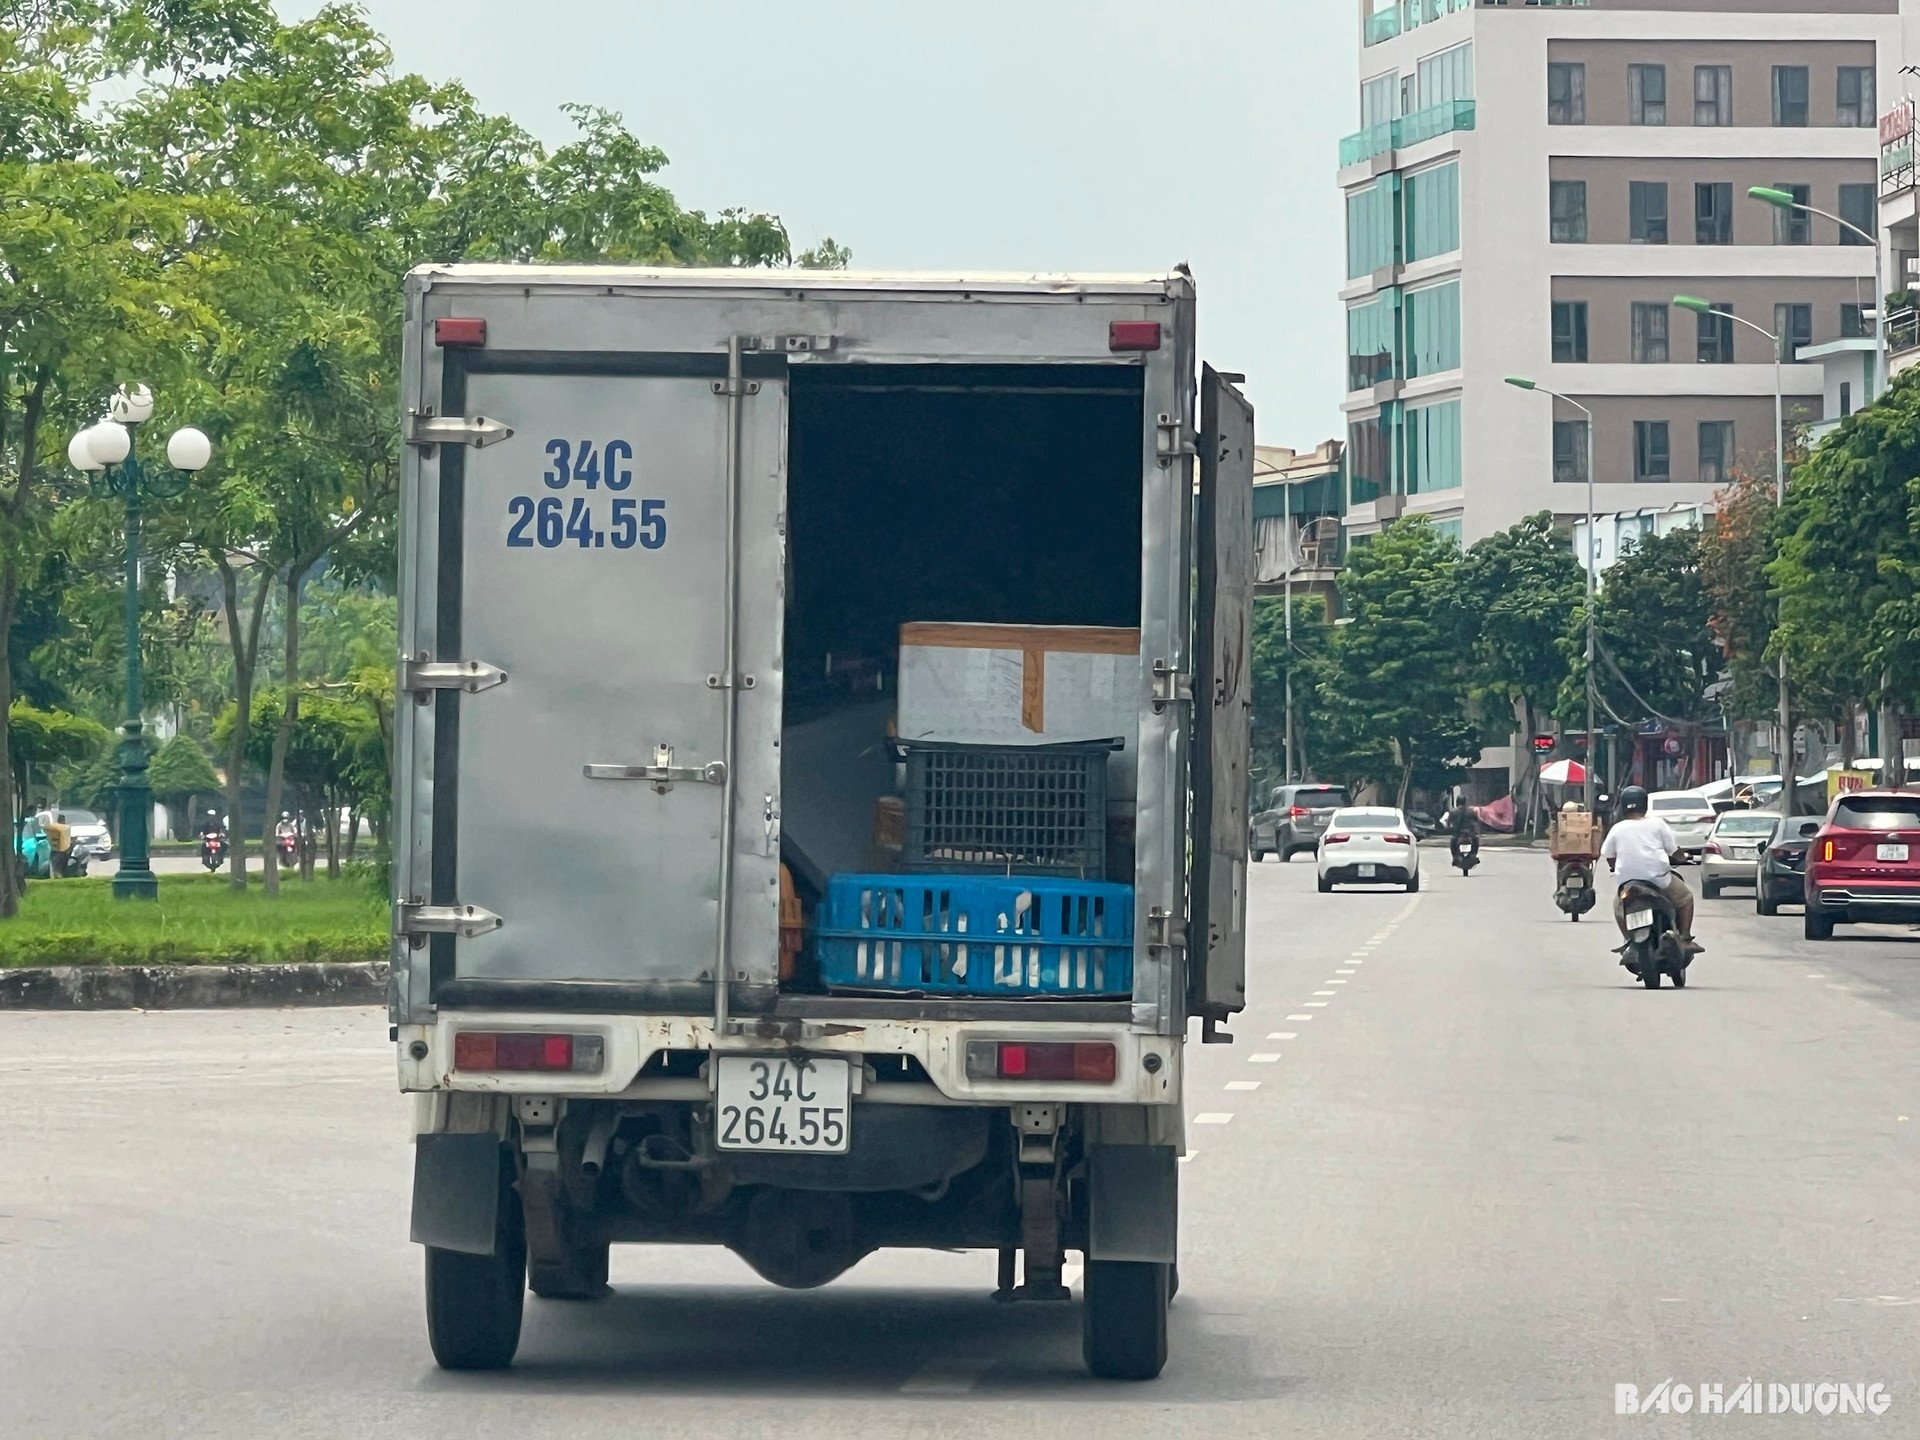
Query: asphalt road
(1457, 1177)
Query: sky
(978, 135)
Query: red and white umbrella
(1563, 772)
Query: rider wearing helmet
(1642, 847)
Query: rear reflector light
(1399, 839)
(460, 331)
(527, 1050)
(1294, 812)
(1336, 839)
(1086, 1062)
(1133, 335)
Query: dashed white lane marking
(1326, 992)
(1343, 972)
(1243, 1084)
(1214, 1117)
(1284, 1035)
(1299, 1017)
(1358, 955)
(1336, 982)
(1318, 1004)
(1816, 977)
(946, 1376)
(1268, 1058)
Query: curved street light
(106, 453)
(1783, 200)
(1591, 791)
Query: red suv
(1864, 862)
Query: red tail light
(464, 332)
(1399, 839)
(1294, 812)
(1713, 847)
(500, 1050)
(1088, 1062)
(1337, 839)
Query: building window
(1433, 448)
(1566, 94)
(1377, 99)
(1649, 334)
(1716, 451)
(1858, 206)
(1570, 452)
(1647, 212)
(1853, 322)
(1568, 199)
(1433, 329)
(1370, 342)
(1652, 460)
(1430, 206)
(1569, 332)
(1793, 227)
(1846, 399)
(1716, 336)
(1794, 325)
(1790, 95)
(1447, 76)
(1370, 227)
(1713, 213)
(1713, 95)
(1370, 458)
(1647, 94)
(1856, 96)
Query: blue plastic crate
(976, 935)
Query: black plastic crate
(1011, 809)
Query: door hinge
(1172, 439)
(416, 920)
(419, 677)
(475, 430)
(1165, 930)
(1169, 685)
(663, 772)
(788, 344)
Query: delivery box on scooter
(1575, 836)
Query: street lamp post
(1520, 382)
(1783, 747)
(105, 451)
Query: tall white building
(1535, 181)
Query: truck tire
(1124, 1319)
(474, 1302)
(581, 1276)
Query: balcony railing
(1383, 25)
(1903, 331)
(1428, 124)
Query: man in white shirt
(1641, 847)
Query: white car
(1368, 845)
(1688, 813)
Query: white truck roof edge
(1170, 283)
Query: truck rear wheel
(1124, 1320)
(474, 1302)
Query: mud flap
(1133, 1203)
(456, 1192)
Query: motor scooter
(1573, 887)
(1652, 947)
(1465, 850)
(213, 849)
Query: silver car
(1688, 813)
(1732, 851)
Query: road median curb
(191, 987)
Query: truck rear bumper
(1147, 1072)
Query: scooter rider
(1643, 847)
(1463, 828)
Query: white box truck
(660, 533)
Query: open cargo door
(1223, 704)
(584, 797)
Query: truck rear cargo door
(1223, 703)
(587, 556)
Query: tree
(1396, 684)
(1520, 586)
(48, 737)
(1848, 568)
(334, 754)
(1273, 661)
(181, 773)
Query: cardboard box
(1575, 835)
(1023, 685)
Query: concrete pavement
(1457, 1177)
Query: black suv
(1294, 820)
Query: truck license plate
(798, 1104)
(1893, 852)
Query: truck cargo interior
(966, 495)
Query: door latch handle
(663, 773)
